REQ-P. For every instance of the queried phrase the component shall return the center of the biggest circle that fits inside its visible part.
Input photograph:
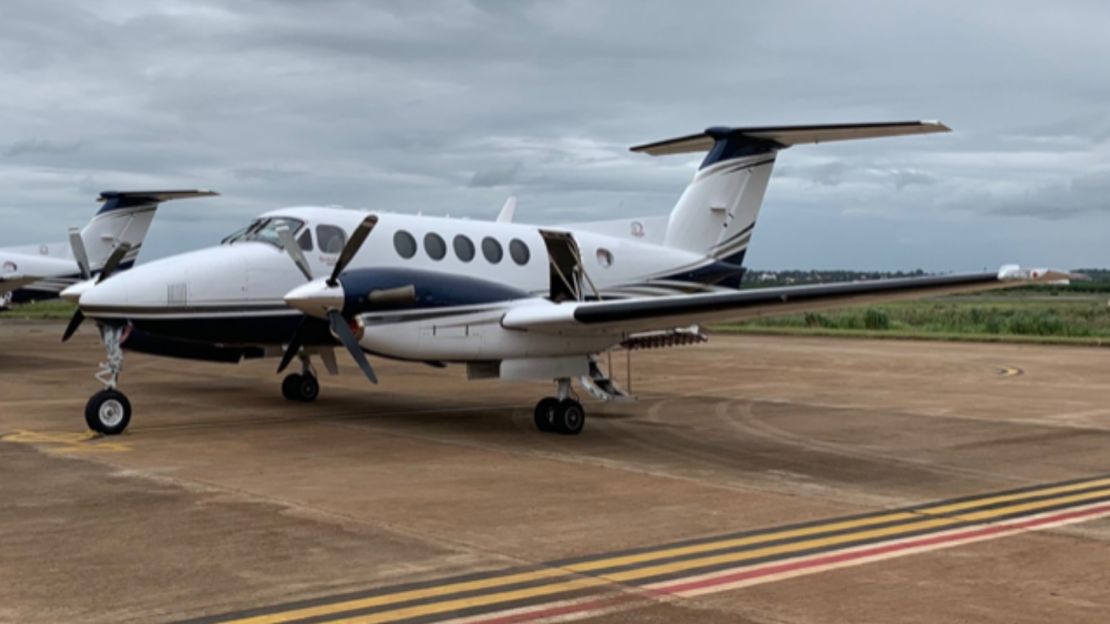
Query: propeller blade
(339, 326)
(74, 323)
(294, 250)
(77, 246)
(352, 247)
(294, 346)
(112, 263)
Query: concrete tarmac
(225, 500)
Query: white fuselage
(246, 281)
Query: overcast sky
(450, 107)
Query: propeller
(110, 266)
(351, 248)
(294, 250)
(333, 308)
(77, 246)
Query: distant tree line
(1098, 279)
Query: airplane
(37, 272)
(508, 300)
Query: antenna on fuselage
(507, 210)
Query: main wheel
(570, 417)
(108, 412)
(290, 386)
(297, 387)
(545, 413)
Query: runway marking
(67, 441)
(1010, 371)
(588, 585)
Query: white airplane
(509, 300)
(37, 272)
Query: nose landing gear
(560, 414)
(108, 412)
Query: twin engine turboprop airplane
(508, 300)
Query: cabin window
(330, 238)
(492, 250)
(519, 251)
(304, 241)
(604, 257)
(434, 246)
(464, 248)
(404, 243)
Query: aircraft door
(564, 266)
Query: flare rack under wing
(649, 313)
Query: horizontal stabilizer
(114, 200)
(785, 136)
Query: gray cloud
(443, 106)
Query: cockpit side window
(264, 230)
(304, 241)
(330, 238)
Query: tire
(570, 417)
(308, 389)
(290, 386)
(545, 413)
(108, 412)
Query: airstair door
(564, 265)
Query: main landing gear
(561, 413)
(108, 412)
(302, 386)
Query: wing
(653, 313)
(14, 282)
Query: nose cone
(73, 292)
(316, 298)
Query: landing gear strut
(561, 413)
(108, 412)
(302, 386)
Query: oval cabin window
(605, 258)
(434, 246)
(464, 248)
(492, 250)
(404, 243)
(519, 251)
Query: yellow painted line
(533, 592)
(679, 566)
(990, 500)
(823, 528)
(67, 441)
(649, 571)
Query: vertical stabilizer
(716, 214)
(125, 217)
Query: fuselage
(232, 295)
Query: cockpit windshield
(264, 230)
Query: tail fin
(717, 212)
(125, 217)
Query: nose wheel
(560, 414)
(108, 412)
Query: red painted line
(879, 550)
(670, 590)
